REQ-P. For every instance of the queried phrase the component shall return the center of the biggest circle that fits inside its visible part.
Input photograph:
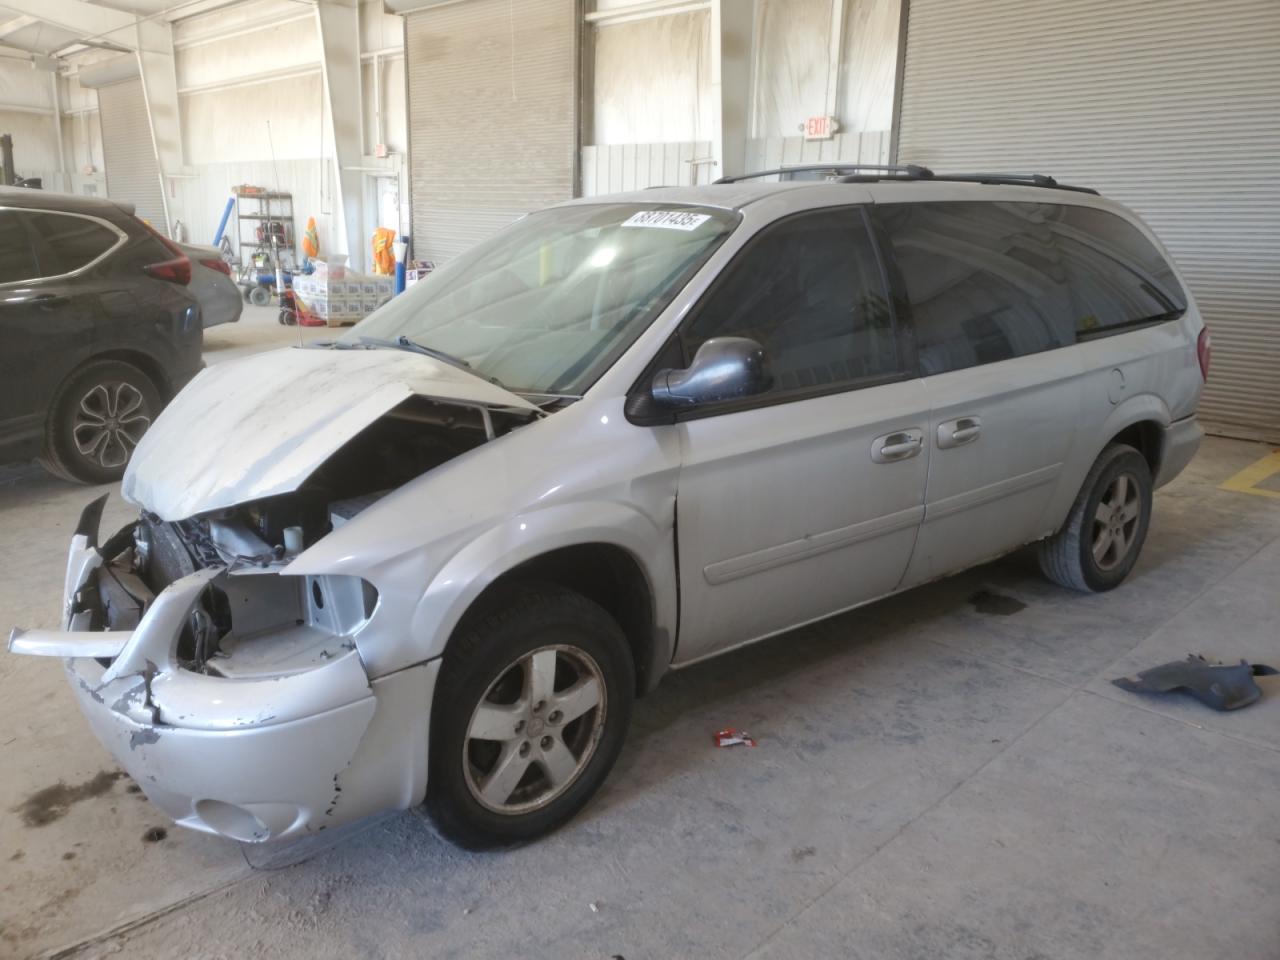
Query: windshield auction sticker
(667, 219)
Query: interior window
(16, 259)
(70, 242)
(809, 290)
(986, 281)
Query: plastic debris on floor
(1217, 685)
(729, 737)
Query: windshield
(545, 306)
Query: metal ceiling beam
(75, 16)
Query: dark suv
(97, 331)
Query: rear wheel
(532, 706)
(98, 416)
(1104, 533)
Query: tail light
(176, 269)
(217, 263)
(1204, 347)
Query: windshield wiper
(404, 343)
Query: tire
(1104, 533)
(97, 418)
(259, 296)
(484, 686)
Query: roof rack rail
(1015, 179)
(910, 171)
(1005, 179)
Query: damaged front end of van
(234, 647)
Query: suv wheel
(532, 706)
(98, 416)
(1107, 525)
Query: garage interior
(945, 773)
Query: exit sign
(820, 128)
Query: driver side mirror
(724, 368)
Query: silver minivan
(437, 558)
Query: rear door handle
(900, 445)
(958, 432)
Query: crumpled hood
(258, 427)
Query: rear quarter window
(68, 242)
(1118, 277)
(17, 259)
(990, 281)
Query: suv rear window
(70, 242)
(17, 262)
(992, 281)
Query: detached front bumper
(256, 782)
(252, 758)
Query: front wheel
(1104, 533)
(532, 706)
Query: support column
(160, 88)
(63, 181)
(732, 29)
(339, 24)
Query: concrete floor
(936, 776)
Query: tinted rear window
(69, 242)
(993, 281)
(1118, 277)
(17, 262)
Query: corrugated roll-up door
(133, 174)
(493, 125)
(1169, 107)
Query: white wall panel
(653, 80)
(634, 166)
(239, 16)
(294, 44)
(35, 148)
(868, 65)
(793, 64)
(871, 146)
(19, 84)
(1170, 108)
(231, 125)
(792, 38)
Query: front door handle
(958, 432)
(900, 445)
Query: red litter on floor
(729, 737)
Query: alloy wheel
(110, 420)
(535, 729)
(1115, 522)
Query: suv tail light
(176, 269)
(1203, 348)
(217, 263)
